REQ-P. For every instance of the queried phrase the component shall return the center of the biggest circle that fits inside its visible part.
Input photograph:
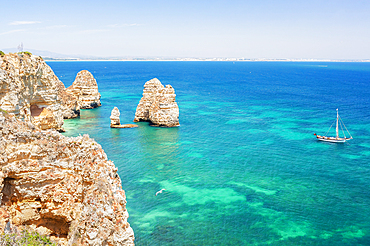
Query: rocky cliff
(29, 89)
(85, 89)
(70, 106)
(158, 105)
(62, 187)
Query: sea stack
(158, 105)
(64, 187)
(30, 90)
(115, 121)
(85, 89)
(114, 117)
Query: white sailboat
(336, 139)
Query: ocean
(244, 167)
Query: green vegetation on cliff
(25, 52)
(1, 53)
(3, 111)
(25, 238)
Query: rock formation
(28, 86)
(60, 186)
(114, 117)
(70, 106)
(29, 89)
(85, 89)
(115, 121)
(158, 105)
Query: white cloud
(12, 31)
(16, 23)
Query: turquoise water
(244, 167)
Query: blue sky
(322, 29)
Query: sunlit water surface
(244, 167)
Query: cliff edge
(31, 91)
(60, 186)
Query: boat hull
(332, 140)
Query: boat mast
(337, 124)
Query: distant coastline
(52, 56)
(206, 59)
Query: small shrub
(25, 238)
(4, 111)
(26, 53)
(2, 53)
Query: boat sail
(336, 139)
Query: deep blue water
(244, 167)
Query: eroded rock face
(60, 186)
(114, 117)
(158, 105)
(85, 89)
(115, 121)
(69, 104)
(28, 87)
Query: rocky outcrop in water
(85, 89)
(158, 105)
(29, 89)
(60, 186)
(114, 117)
(115, 121)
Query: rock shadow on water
(160, 145)
(166, 233)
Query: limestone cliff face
(158, 105)
(85, 89)
(29, 89)
(70, 105)
(60, 186)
